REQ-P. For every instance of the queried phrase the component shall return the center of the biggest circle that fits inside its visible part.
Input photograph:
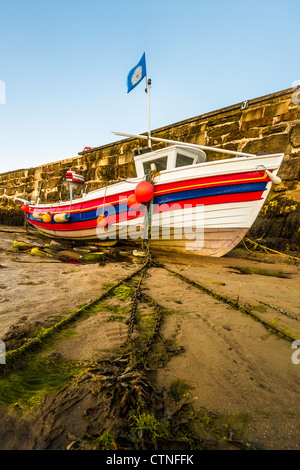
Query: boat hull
(206, 208)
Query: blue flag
(136, 74)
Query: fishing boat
(206, 207)
(178, 200)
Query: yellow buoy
(47, 218)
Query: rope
(149, 213)
(266, 249)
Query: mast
(147, 90)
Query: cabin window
(183, 160)
(160, 163)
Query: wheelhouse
(168, 158)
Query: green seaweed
(123, 292)
(31, 283)
(36, 378)
(104, 441)
(179, 389)
(148, 422)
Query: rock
(58, 246)
(93, 257)
(37, 252)
(20, 246)
(52, 253)
(69, 254)
(81, 250)
(139, 253)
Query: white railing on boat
(185, 144)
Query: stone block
(198, 139)
(103, 162)
(220, 130)
(274, 129)
(52, 183)
(240, 135)
(212, 155)
(290, 169)
(290, 115)
(53, 196)
(253, 114)
(90, 174)
(295, 136)
(121, 159)
(197, 128)
(295, 154)
(90, 157)
(272, 144)
(276, 109)
(223, 118)
(10, 191)
(214, 141)
(261, 122)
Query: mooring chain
(281, 310)
(233, 303)
(158, 322)
(140, 296)
(132, 318)
(134, 301)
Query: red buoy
(25, 208)
(133, 201)
(144, 191)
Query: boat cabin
(168, 158)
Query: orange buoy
(101, 216)
(102, 221)
(144, 191)
(133, 201)
(47, 218)
(25, 208)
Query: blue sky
(64, 64)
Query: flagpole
(148, 82)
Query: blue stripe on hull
(206, 192)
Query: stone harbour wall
(267, 124)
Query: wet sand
(233, 363)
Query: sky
(64, 67)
